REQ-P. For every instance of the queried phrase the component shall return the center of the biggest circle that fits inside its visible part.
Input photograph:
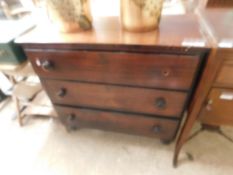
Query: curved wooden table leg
(198, 100)
(184, 134)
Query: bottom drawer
(219, 108)
(165, 129)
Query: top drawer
(146, 70)
(225, 75)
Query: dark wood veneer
(108, 78)
(165, 129)
(146, 70)
(118, 98)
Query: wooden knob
(161, 103)
(61, 92)
(157, 129)
(47, 65)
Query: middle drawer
(118, 98)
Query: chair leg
(18, 113)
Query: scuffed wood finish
(165, 129)
(219, 108)
(127, 99)
(145, 70)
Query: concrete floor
(43, 146)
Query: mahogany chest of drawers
(138, 83)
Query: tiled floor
(43, 146)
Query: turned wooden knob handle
(47, 65)
(161, 103)
(62, 92)
(157, 129)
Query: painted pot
(140, 15)
(70, 15)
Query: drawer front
(120, 122)
(219, 107)
(225, 76)
(128, 99)
(146, 70)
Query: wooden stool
(24, 91)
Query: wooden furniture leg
(23, 94)
(16, 102)
(219, 131)
(17, 105)
(197, 102)
(211, 128)
(184, 135)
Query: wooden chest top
(180, 31)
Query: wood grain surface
(127, 123)
(145, 70)
(128, 99)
